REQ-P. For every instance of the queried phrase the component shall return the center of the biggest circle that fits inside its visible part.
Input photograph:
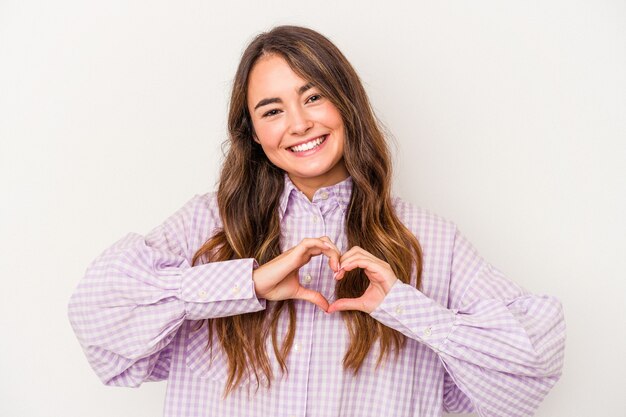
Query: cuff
(409, 311)
(219, 289)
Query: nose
(299, 122)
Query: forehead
(272, 76)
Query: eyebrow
(272, 100)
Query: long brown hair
(248, 196)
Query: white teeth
(309, 145)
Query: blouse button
(308, 278)
(428, 331)
(202, 294)
(324, 195)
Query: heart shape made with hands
(278, 279)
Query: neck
(309, 186)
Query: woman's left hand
(381, 278)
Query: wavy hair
(248, 197)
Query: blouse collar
(337, 194)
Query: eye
(314, 98)
(271, 113)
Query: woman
(230, 301)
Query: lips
(307, 146)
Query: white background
(508, 118)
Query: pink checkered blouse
(476, 341)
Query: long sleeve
(135, 296)
(502, 347)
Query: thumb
(346, 304)
(312, 297)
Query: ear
(254, 137)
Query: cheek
(333, 118)
(268, 135)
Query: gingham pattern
(476, 341)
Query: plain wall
(508, 118)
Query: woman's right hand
(278, 279)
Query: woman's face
(299, 129)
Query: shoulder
(436, 236)
(195, 222)
(424, 223)
(202, 210)
(198, 209)
(205, 202)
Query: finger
(312, 297)
(330, 242)
(346, 257)
(347, 304)
(333, 256)
(375, 271)
(339, 274)
(314, 247)
(371, 265)
(317, 246)
(357, 252)
(378, 272)
(359, 262)
(308, 248)
(332, 261)
(350, 252)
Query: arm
(501, 346)
(135, 296)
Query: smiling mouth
(307, 146)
